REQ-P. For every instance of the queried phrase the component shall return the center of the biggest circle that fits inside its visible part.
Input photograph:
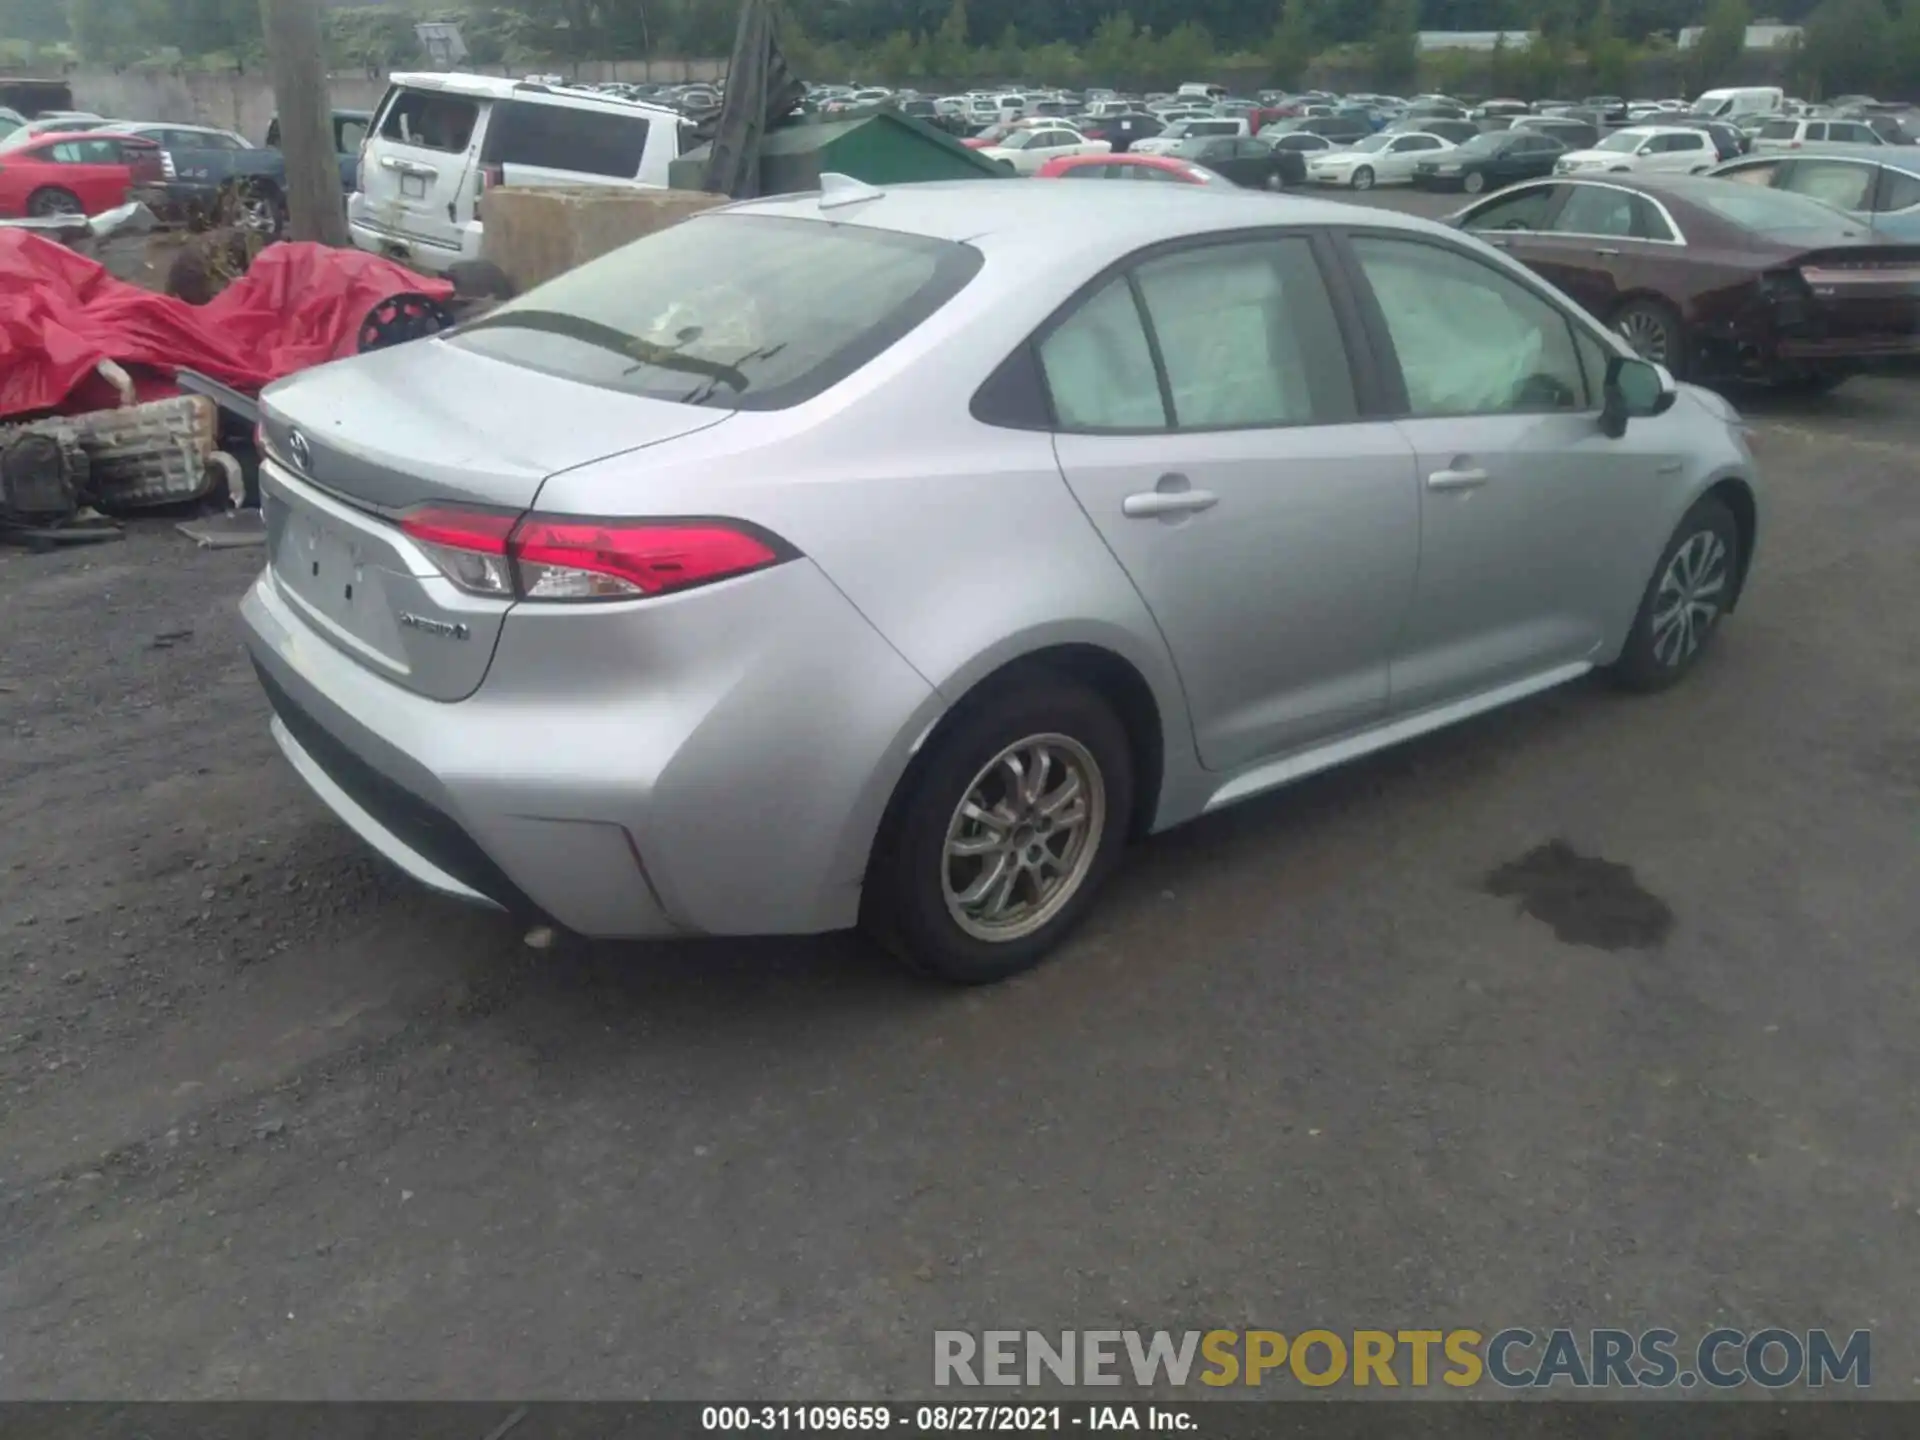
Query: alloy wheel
(1474, 183)
(1647, 334)
(257, 213)
(1023, 838)
(1689, 599)
(55, 202)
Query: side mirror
(1634, 390)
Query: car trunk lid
(354, 446)
(1869, 292)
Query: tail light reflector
(561, 558)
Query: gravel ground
(274, 1123)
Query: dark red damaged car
(1714, 279)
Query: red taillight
(492, 177)
(550, 557)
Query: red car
(80, 174)
(1127, 167)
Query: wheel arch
(1114, 677)
(1737, 495)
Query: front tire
(1691, 588)
(1474, 183)
(1363, 178)
(997, 845)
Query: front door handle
(1172, 497)
(1607, 250)
(1456, 479)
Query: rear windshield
(430, 120)
(737, 312)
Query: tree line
(1849, 45)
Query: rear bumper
(430, 256)
(712, 763)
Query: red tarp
(299, 305)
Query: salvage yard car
(1714, 279)
(1025, 151)
(1385, 159)
(83, 174)
(1486, 162)
(440, 142)
(1644, 150)
(893, 557)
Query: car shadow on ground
(795, 981)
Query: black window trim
(990, 404)
(1374, 319)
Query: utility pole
(297, 58)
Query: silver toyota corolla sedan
(893, 557)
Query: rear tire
(1685, 600)
(979, 871)
(1654, 330)
(53, 201)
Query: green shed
(882, 147)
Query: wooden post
(297, 59)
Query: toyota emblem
(302, 452)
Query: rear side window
(430, 120)
(1099, 367)
(1247, 333)
(737, 312)
(557, 137)
(1899, 190)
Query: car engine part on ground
(131, 458)
(299, 305)
(42, 477)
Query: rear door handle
(1167, 502)
(1456, 479)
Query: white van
(440, 142)
(1201, 90)
(1731, 104)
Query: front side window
(1247, 335)
(1470, 340)
(1099, 367)
(1779, 130)
(1519, 210)
(1596, 210)
(1762, 174)
(736, 312)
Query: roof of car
(1052, 215)
(499, 87)
(1897, 156)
